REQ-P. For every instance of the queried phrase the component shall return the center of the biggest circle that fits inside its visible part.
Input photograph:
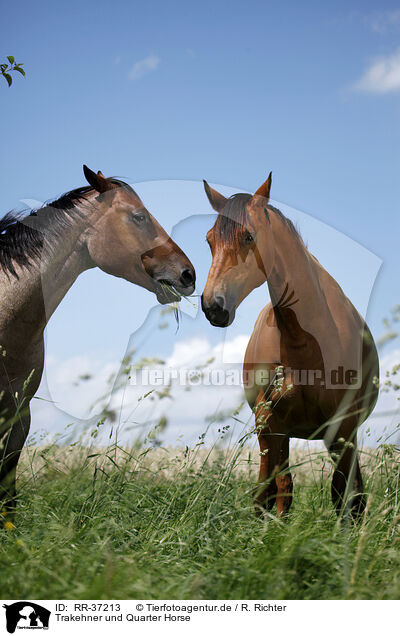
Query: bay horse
(103, 224)
(311, 367)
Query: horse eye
(248, 238)
(139, 219)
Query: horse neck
(294, 282)
(33, 296)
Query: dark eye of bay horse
(307, 336)
(104, 224)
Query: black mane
(23, 236)
(230, 223)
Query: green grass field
(179, 524)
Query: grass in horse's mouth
(168, 289)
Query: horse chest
(20, 363)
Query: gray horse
(104, 224)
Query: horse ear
(217, 200)
(264, 190)
(97, 181)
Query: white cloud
(389, 360)
(189, 352)
(73, 385)
(188, 410)
(143, 67)
(69, 397)
(232, 351)
(198, 350)
(383, 76)
(385, 417)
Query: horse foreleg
(275, 483)
(283, 479)
(347, 485)
(266, 489)
(12, 443)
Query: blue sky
(223, 91)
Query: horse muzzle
(170, 289)
(216, 312)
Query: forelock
(233, 219)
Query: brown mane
(233, 218)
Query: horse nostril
(187, 277)
(215, 311)
(216, 305)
